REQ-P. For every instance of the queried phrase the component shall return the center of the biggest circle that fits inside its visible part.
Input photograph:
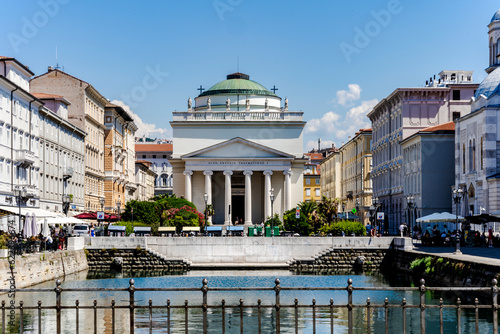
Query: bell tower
(494, 42)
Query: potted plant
(4, 251)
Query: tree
(310, 211)
(328, 209)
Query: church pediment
(238, 148)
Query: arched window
(463, 158)
(164, 180)
(470, 155)
(496, 51)
(491, 51)
(482, 152)
(474, 154)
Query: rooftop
(238, 83)
(153, 148)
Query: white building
(158, 153)
(145, 179)
(402, 114)
(19, 140)
(236, 144)
(477, 139)
(62, 157)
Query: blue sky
(333, 59)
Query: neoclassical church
(238, 144)
(477, 139)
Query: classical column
(227, 198)
(248, 197)
(208, 189)
(267, 193)
(188, 191)
(288, 190)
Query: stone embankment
(342, 259)
(36, 268)
(136, 259)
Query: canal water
(193, 279)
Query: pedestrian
(490, 238)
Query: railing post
(349, 306)
(58, 291)
(77, 311)
(277, 289)
(296, 311)
(259, 315)
(494, 295)
(40, 318)
(241, 316)
(113, 318)
(168, 316)
(422, 306)
(441, 324)
(459, 316)
(331, 315)
(368, 325)
(186, 318)
(314, 314)
(95, 316)
(131, 290)
(150, 316)
(476, 313)
(403, 305)
(204, 307)
(3, 316)
(386, 315)
(21, 317)
(223, 307)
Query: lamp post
(101, 200)
(376, 204)
(343, 209)
(118, 204)
(356, 205)
(410, 201)
(457, 197)
(271, 196)
(205, 197)
(65, 202)
(21, 195)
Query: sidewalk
(484, 255)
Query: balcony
(31, 191)
(67, 173)
(25, 157)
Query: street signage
(380, 216)
(297, 213)
(100, 215)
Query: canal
(232, 316)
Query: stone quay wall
(137, 259)
(36, 268)
(343, 260)
(244, 250)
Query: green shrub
(129, 228)
(347, 226)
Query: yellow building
(312, 185)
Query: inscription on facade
(238, 163)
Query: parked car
(80, 230)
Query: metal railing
(262, 309)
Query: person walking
(490, 238)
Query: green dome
(238, 83)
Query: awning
(63, 221)
(235, 228)
(143, 229)
(24, 210)
(190, 229)
(214, 228)
(116, 228)
(166, 229)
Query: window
(317, 192)
(164, 156)
(474, 154)
(154, 156)
(308, 191)
(456, 115)
(317, 181)
(144, 156)
(463, 158)
(456, 94)
(308, 181)
(482, 148)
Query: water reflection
(232, 315)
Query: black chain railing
(238, 309)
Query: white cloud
(314, 144)
(145, 129)
(326, 123)
(344, 96)
(356, 119)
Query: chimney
(50, 68)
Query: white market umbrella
(45, 230)
(440, 218)
(34, 225)
(27, 226)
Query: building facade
(312, 173)
(62, 156)
(86, 111)
(145, 180)
(428, 171)
(477, 140)
(238, 144)
(119, 158)
(331, 176)
(19, 141)
(402, 114)
(158, 153)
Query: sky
(333, 60)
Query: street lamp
(356, 205)
(457, 197)
(272, 216)
(65, 201)
(205, 197)
(376, 204)
(410, 201)
(118, 204)
(101, 200)
(21, 195)
(343, 209)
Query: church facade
(238, 144)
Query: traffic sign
(100, 215)
(297, 213)
(380, 216)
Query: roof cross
(201, 89)
(274, 89)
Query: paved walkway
(485, 255)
